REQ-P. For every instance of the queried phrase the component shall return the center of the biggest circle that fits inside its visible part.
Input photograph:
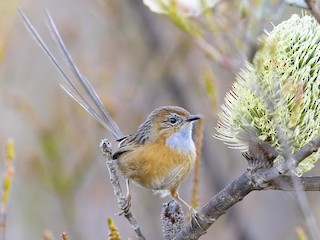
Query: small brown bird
(160, 155)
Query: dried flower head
(277, 98)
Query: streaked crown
(165, 121)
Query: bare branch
(218, 205)
(266, 175)
(105, 146)
(214, 54)
(265, 179)
(287, 183)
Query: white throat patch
(182, 140)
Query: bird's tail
(89, 100)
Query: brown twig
(105, 146)
(198, 142)
(214, 54)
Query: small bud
(10, 150)
(113, 230)
(64, 236)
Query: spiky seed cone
(277, 98)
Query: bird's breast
(157, 166)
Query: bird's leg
(194, 214)
(128, 196)
(127, 201)
(181, 201)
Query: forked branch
(266, 179)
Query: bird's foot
(195, 217)
(125, 206)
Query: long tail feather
(92, 104)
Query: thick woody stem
(266, 179)
(217, 206)
(105, 146)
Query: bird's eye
(172, 119)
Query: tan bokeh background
(136, 60)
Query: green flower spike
(277, 98)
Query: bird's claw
(195, 217)
(125, 206)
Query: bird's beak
(192, 118)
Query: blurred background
(136, 60)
